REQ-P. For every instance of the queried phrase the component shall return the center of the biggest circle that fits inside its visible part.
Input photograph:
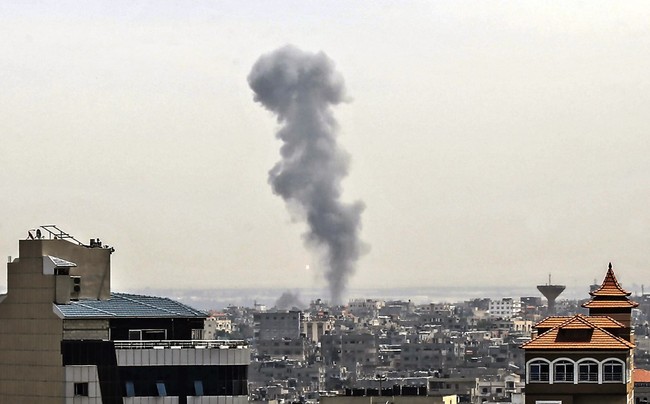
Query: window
(147, 334)
(563, 371)
(538, 371)
(162, 390)
(588, 371)
(612, 371)
(198, 387)
(154, 334)
(81, 389)
(130, 389)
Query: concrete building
(356, 351)
(429, 355)
(277, 325)
(65, 338)
(314, 327)
(505, 308)
(641, 378)
(215, 325)
(365, 307)
(502, 388)
(453, 385)
(295, 348)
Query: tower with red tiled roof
(611, 300)
(584, 359)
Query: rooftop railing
(180, 344)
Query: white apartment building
(504, 308)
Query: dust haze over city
(491, 144)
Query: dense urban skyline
(492, 144)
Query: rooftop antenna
(55, 233)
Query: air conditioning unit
(75, 287)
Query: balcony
(181, 353)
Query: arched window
(563, 371)
(613, 371)
(538, 371)
(588, 371)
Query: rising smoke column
(288, 301)
(300, 88)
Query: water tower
(551, 292)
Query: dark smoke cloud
(300, 88)
(288, 301)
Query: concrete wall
(93, 264)
(85, 329)
(82, 374)
(171, 356)
(31, 370)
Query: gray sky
(491, 142)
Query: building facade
(66, 338)
(505, 308)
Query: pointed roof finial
(610, 286)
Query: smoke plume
(289, 301)
(301, 88)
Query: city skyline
(491, 144)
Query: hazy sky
(492, 142)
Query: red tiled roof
(598, 321)
(577, 332)
(610, 295)
(609, 304)
(641, 376)
(610, 286)
(551, 321)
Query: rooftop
(599, 321)
(578, 332)
(127, 306)
(610, 295)
(641, 376)
(610, 286)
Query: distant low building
(641, 378)
(216, 325)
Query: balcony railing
(180, 344)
